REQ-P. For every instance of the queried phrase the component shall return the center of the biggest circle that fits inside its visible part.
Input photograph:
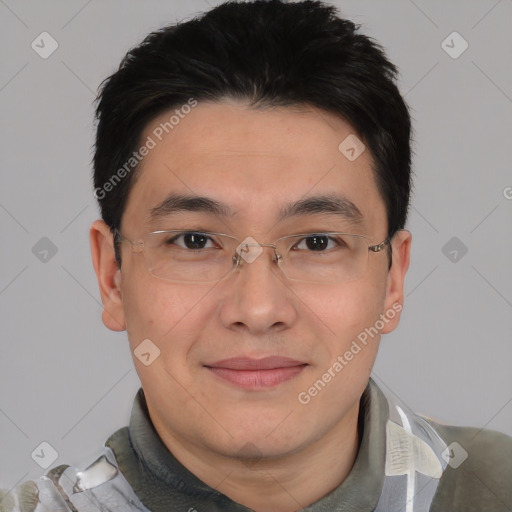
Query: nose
(257, 297)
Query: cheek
(166, 313)
(351, 312)
(347, 309)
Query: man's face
(257, 163)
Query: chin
(264, 442)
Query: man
(252, 168)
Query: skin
(262, 448)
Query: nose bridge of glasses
(250, 249)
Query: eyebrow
(175, 203)
(336, 205)
(339, 206)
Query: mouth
(250, 373)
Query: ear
(108, 274)
(401, 254)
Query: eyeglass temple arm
(379, 247)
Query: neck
(283, 484)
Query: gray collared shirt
(138, 472)
(162, 483)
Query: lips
(248, 363)
(253, 373)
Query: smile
(256, 373)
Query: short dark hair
(269, 54)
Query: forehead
(256, 161)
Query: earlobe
(108, 275)
(401, 247)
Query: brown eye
(190, 240)
(195, 240)
(316, 242)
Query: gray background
(67, 380)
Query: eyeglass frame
(237, 257)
